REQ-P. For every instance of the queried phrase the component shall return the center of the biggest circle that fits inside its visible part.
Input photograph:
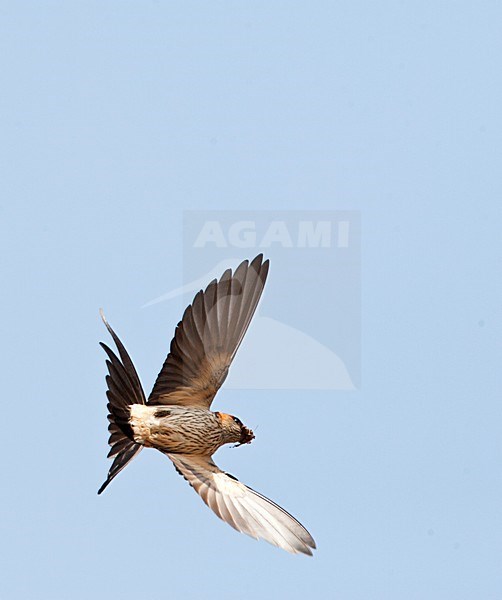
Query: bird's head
(234, 430)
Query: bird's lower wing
(241, 507)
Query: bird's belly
(175, 439)
(182, 432)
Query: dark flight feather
(208, 336)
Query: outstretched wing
(208, 336)
(241, 507)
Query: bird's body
(177, 420)
(181, 430)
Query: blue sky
(117, 117)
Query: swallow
(177, 419)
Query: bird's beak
(247, 436)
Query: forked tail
(124, 389)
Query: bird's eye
(238, 421)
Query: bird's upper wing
(208, 336)
(241, 507)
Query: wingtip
(258, 263)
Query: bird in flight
(177, 419)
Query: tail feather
(121, 460)
(124, 389)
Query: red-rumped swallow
(177, 420)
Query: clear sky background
(117, 116)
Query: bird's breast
(175, 429)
